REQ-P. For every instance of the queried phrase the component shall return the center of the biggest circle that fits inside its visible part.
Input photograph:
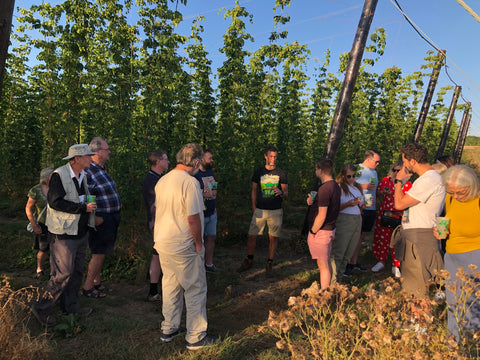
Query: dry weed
(15, 339)
(343, 322)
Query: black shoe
(169, 337)
(348, 271)
(246, 264)
(44, 319)
(206, 341)
(39, 274)
(211, 269)
(359, 267)
(269, 269)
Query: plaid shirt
(103, 187)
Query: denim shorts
(210, 225)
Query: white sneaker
(378, 266)
(396, 272)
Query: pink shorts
(320, 244)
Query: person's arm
(319, 219)
(402, 201)
(283, 192)
(349, 203)
(254, 195)
(195, 227)
(29, 211)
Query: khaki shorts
(261, 217)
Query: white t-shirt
(429, 190)
(355, 192)
(177, 196)
(365, 177)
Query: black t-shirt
(148, 193)
(204, 178)
(266, 180)
(328, 195)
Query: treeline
(143, 85)
(472, 141)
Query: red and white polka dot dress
(381, 235)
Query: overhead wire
(436, 47)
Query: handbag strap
(41, 213)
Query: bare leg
(354, 258)
(154, 269)
(94, 270)
(209, 247)
(41, 256)
(325, 273)
(272, 246)
(251, 243)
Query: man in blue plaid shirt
(107, 217)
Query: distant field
(471, 157)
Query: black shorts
(102, 239)
(368, 220)
(41, 241)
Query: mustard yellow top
(464, 225)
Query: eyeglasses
(375, 161)
(395, 170)
(350, 176)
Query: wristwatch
(397, 181)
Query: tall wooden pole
(464, 138)
(448, 122)
(428, 96)
(6, 14)
(351, 73)
(457, 153)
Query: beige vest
(62, 223)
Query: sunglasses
(395, 170)
(350, 176)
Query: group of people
(181, 218)
(343, 211)
(76, 205)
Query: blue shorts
(102, 239)
(210, 225)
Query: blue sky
(331, 24)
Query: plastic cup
(368, 200)
(442, 226)
(91, 198)
(373, 179)
(313, 194)
(214, 185)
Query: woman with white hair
(462, 205)
(36, 214)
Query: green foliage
(472, 141)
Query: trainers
(211, 269)
(396, 272)
(44, 319)
(206, 341)
(348, 271)
(153, 298)
(169, 337)
(246, 264)
(268, 268)
(378, 266)
(357, 266)
(39, 274)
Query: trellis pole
(351, 73)
(448, 121)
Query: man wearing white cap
(68, 218)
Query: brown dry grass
(15, 339)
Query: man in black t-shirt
(269, 187)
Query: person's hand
(309, 199)
(98, 220)
(198, 247)
(207, 194)
(277, 191)
(386, 190)
(437, 235)
(371, 186)
(403, 174)
(91, 207)
(36, 228)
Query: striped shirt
(103, 187)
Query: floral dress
(382, 234)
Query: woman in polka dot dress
(382, 234)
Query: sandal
(93, 293)
(100, 287)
